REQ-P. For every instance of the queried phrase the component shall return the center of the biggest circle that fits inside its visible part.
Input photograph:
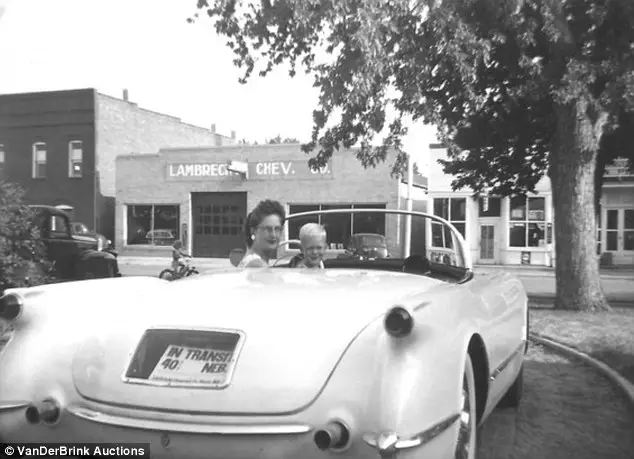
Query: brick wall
(54, 118)
(141, 180)
(124, 128)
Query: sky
(165, 63)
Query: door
(60, 246)
(619, 234)
(218, 220)
(487, 243)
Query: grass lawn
(606, 336)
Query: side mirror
(236, 256)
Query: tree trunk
(572, 168)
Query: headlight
(109, 243)
(398, 322)
(11, 306)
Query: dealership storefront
(202, 196)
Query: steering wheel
(290, 257)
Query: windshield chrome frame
(463, 249)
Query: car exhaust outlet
(10, 306)
(334, 435)
(46, 412)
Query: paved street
(539, 282)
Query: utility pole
(408, 218)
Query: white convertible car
(401, 356)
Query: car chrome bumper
(388, 444)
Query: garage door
(218, 220)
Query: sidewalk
(518, 270)
(625, 272)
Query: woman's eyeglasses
(272, 229)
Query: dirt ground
(568, 411)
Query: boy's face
(313, 248)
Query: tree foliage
(516, 88)
(278, 139)
(485, 72)
(22, 252)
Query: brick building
(160, 197)
(61, 147)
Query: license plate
(191, 358)
(191, 365)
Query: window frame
(35, 162)
(153, 207)
(527, 221)
(446, 233)
(71, 162)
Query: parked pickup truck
(74, 256)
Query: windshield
(378, 239)
(80, 228)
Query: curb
(614, 376)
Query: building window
(528, 222)
(2, 159)
(75, 158)
(39, 160)
(453, 210)
(490, 207)
(338, 226)
(153, 224)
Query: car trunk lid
(240, 343)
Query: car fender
(403, 385)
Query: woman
(263, 230)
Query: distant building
(192, 194)
(61, 147)
(519, 230)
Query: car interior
(414, 264)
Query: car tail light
(11, 306)
(398, 322)
(334, 435)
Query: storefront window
(153, 224)
(528, 222)
(455, 211)
(338, 226)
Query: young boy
(313, 239)
(178, 264)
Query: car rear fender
(404, 385)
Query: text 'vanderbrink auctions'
(102, 450)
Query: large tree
(516, 88)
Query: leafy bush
(22, 252)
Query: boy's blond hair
(312, 230)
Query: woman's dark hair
(259, 213)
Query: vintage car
(80, 229)
(366, 245)
(387, 357)
(75, 256)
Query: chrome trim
(144, 382)
(187, 427)
(389, 442)
(501, 367)
(464, 251)
(13, 405)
